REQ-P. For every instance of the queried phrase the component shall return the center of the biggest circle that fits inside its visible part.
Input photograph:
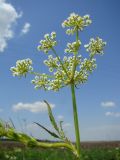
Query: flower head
(73, 47)
(75, 22)
(88, 65)
(48, 43)
(95, 46)
(41, 81)
(22, 67)
(52, 63)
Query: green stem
(59, 145)
(60, 62)
(39, 74)
(74, 63)
(76, 123)
(77, 35)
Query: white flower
(73, 47)
(22, 67)
(48, 43)
(75, 22)
(52, 63)
(95, 46)
(46, 36)
(53, 35)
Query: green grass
(60, 154)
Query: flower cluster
(44, 82)
(60, 74)
(48, 43)
(73, 47)
(76, 22)
(68, 63)
(55, 85)
(41, 81)
(22, 67)
(72, 69)
(95, 46)
(80, 77)
(88, 65)
(52, 63)
(59, 78)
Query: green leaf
(51, 117)
(51, 133)
(61, 130)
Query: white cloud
(32, 107)
(25, 28)
(108, 104)
(8, 17)
(113, 114)
(60, 117)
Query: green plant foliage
(51, 117)
(58, 154)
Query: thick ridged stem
(54, 145)
(30, 141)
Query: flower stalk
(72, 70)
(76, 123)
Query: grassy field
(90, 151)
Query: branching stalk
(60, 62)
(39, 74)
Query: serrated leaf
(51, 133)
(51, 117)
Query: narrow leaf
(61, 129)
(51, 117)
(51, 133)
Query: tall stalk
(75, 113)
(76, 123)
(72, 70)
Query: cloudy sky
(22, 26)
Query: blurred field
(10, 150)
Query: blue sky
(22, 26)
